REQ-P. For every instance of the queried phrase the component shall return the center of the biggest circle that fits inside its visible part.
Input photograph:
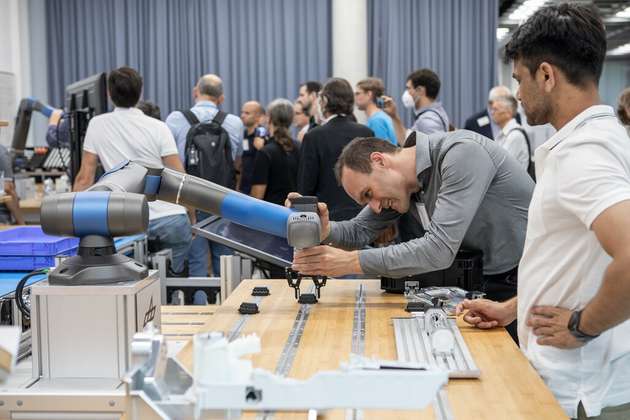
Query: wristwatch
(574, 328)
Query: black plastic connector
(307, 298)
(248, 308)
(260, 291)
(417, 306)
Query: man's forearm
(81, 184)
(347, 235)
(609, 307)
(511, 305)
(400, 130)
(14, 207)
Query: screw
(19, 403)
(112, 403)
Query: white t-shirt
(582, 170)
(128, 134)
(514, 142)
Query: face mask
(408, 100)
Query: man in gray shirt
(461, 188)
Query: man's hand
(551, 325)
(324, 260)
(322, 210)
(389, 106)
(55, 117)
(485, 313)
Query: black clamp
(417, 306)
(307, 298)
(294, 279)
(260, 291)
(248, 308)
(475, 294)
(423, 304)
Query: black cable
(19, 291)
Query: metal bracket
(295, 279)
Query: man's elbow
(444, 258)
(82, 182)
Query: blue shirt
(205, 111)
(59, 135)
(383, 127)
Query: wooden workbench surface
(509, 387)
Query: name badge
(424, 216)
(245, 145)
(483, 121)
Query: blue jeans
(198, 254)
(174, 233)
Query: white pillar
(16, 53)
(349, 41)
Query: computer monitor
(88, 94)
(84, 99)
(258, 245)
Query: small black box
(260, 291)
(307, 298)
(465, 272)
(248, 308)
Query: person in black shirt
(322, 146)
(276, 164)
(251, 114)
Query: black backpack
(531, 168)
(208, 150)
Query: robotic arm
(117, 205)
(23, 120)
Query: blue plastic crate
(32, 241)
(24, 263)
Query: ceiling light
(625, 13)
(501, 33)
(621, 50)
(526, 9)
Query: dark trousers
(501, 287)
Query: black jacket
(486, 130)
(320, 149)
(473, 125)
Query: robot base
(97, 263)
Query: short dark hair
(374, 85)
(356, 154)
(150, 109)
(339, 96)
(312, 86)
(125, 86)
(428, 79)
(570, 36)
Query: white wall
(349, 42)
(23, 54)
(11, 61)
(615, 78)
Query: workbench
(509, 388)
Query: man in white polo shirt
(128, 134)
(573, 301)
